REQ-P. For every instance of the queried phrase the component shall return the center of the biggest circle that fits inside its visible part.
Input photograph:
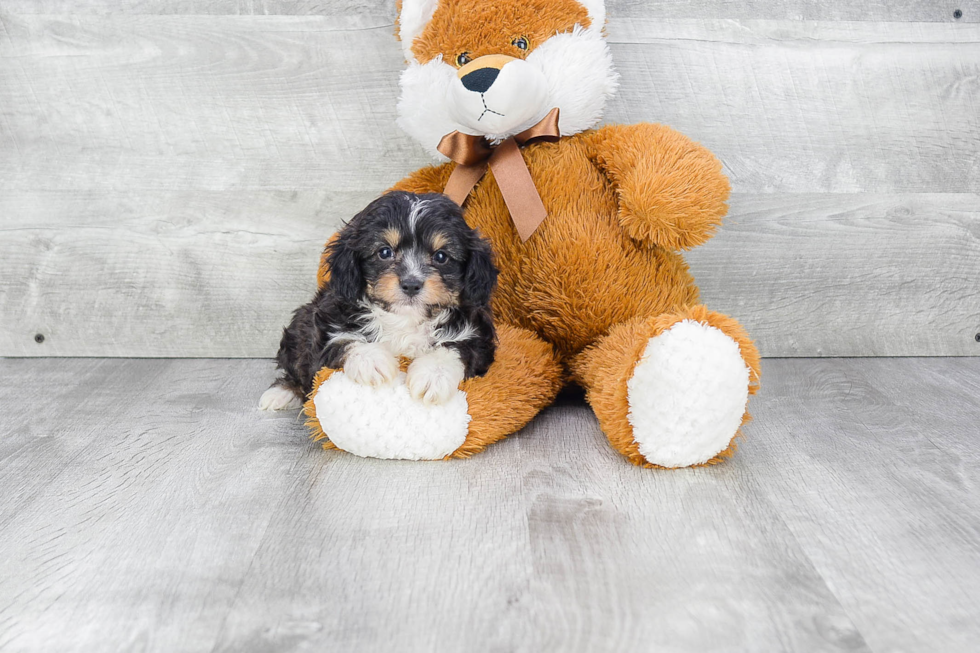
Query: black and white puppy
(408, 278)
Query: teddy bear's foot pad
(386, 422)
(687, 395)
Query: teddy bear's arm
(671, 190)
(431, 179)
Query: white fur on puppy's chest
(408, 334)
(405, 335)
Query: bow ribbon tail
(462, 180)
(472, 154)
(515, 183)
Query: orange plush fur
(603, 274)
(481, 28)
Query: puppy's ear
(346, 276)
(480, 277)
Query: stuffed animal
(587, 224)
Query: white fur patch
(515, 101)
(415, 15)
(407, 333)
(575, 69)
(687, 395)
(434, 377)
(385, 422)
(279, 398)
(413, 216)
(370, 363)
(581, 78)
(423, 106)
(597, 13)
(445, 336)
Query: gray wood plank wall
(169, 170)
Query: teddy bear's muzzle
(496, 94)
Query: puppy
(408, 278)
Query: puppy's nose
(479, 81)
(411, 287)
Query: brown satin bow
(472, 154)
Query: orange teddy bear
(587, 225)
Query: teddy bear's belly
(579, 273)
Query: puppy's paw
(279, 398)
(369, 363)
(434, 377)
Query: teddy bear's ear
(413, 16)
(597, 13)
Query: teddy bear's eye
(462, 59)
(520, 43)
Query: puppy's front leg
(435, 376)
(370, 363)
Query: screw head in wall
(39, 338)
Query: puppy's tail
(281, 395)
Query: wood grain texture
(887, 451)
(285, 102)
(159, 511)
(88, 389)
(143, 502)
(873, 10)
(166, 181)
(688, 561)
(161, 274)
(849, 275)
(218, 273)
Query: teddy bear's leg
(671, 390)
(525, 378)
(386, 422)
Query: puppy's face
(417, 263)
(412, 254)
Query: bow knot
(473, 154)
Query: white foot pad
(386, 422)
(279, 398)
(687, 395)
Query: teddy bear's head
(496, 67)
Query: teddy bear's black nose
(480, 80)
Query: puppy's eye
(385, 253)
(520, 43)
(462, 59)
(440, 257)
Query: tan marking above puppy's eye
(439, 241)
(462, 59)
(392, 236)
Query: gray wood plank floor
(146, 505)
